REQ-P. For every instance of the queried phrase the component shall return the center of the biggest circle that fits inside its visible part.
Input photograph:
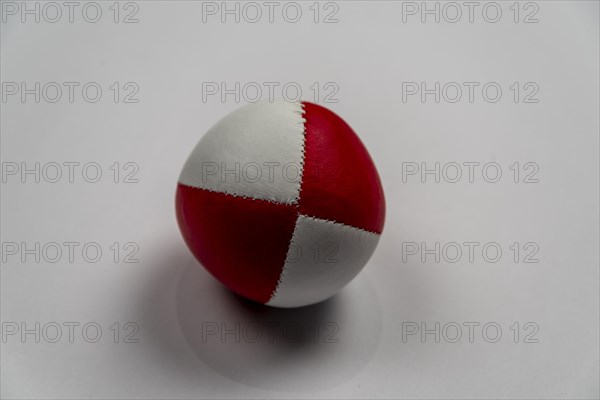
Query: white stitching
(361, 230)
(302, 152)
(283, 269)
(241, 196)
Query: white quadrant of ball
(256, 151)
(322, 258)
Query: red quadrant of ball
(339, 182)
(241, 241)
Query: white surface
(323, 257)
(367, 54)
(246, 152)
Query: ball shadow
(303, 349)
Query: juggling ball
(281, 202)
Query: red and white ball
(281, 202)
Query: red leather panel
(242, 242)
(340, 181)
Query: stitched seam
(361, 230)
(302, 162)
(282, 275)
(241, 196)
(302, 155)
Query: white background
(367, 55)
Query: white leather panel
(322, 258)
(256, 151)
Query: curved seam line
(283, 270)
(361, 230)
(302, 155)
(241, 196)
